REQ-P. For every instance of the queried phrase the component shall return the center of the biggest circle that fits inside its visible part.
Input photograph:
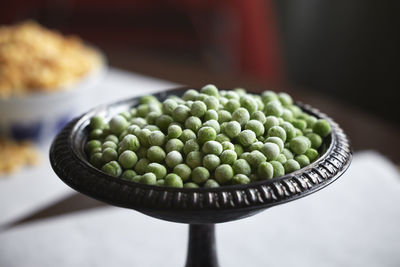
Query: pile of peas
(206, 139)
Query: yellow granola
(33, 58)
(14, 155)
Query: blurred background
(342, 55)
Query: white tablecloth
(34, 188)
(353, 222)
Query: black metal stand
(202, 249)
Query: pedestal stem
(202, 250)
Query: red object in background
(244, 33)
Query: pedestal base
(202, 249)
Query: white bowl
(39, 116)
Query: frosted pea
(295, 110)
(232, 95)
(173, 158)
(240, 179)
(241, 166)
(174, 145)
(268, 96)
(191, 145)
(226, 145)
(278, 168)
(189, 103)
(148, 99)
(139, 122)
(159, 170)
(109, 154)
(211, 161)
(255, 146)
(181, 113)
(118, 124)
(224, 116)
(276, 140)
(152, 117)
(148, 178)
(212, 147)
(152, 128)
(299, 144)
(288, 154)
(265, 170)
(285, 99)
(256, 158)
(92, 145)
(232, 129)
(133, 129)
(190, 185)
(183, 171)
(156, 154)
(206, 134)
(232, 105)
(299, 132)
(300, 124)
(289, 129)
(287, 115)
(311, 153)
(246, 138)
(291, 165)
(214, 124)
(96, 134)
(311, 120)
(245, 156)
(127, 159)
(96, 159)
(173, 180)
(133, 112)
(198, 109)
(270, 122)
(112, 168)
(256, 126)
(240, 91)
(238, 149)
(212, 102)
(210, 115)
(303, 160)
(143, 136)
(163, 122)
(259, 115)
(211, 183)
(249, 103)
(241, 115)
(168, 106)
(157, 138)
(322, 128)
(222, 138)
(228, 157)
(201, 97)
(97, 122)
(190, 94)
(186, 135)
(281, 158)
(128, 175)
(222, 101)
(210, 89)
(142, 110)
(260, 104)
(200, 175)
(315, 139)
(270, 150)
(278, 132)
(174, 131)
(160, 182)
(194, 159)
(223, 173)
(273, 108)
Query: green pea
(232, 129)
(268, 96)
(212, 102)
(159, 170)
(273, 108)
(190, 185)
(127, 159)
(112, 168)
(281, 158)
(92, 144)
(240, 179)
(232, 105)
(156, 138)
(315, 139)
(291, 165)
(212, 147)
(118, 124)
(312, 154)
(173, 180)
(206, 134)
(270, 122)
(241, 166)
(211, 183)
(97, 122)
(226, 145)
(210, 89)
(223, 173)
(256, 126)
(128, 175)
(256, 158)
(190, 94)
(211, 161)
(109, 154)
(265, 170)
(191, 145)
(241, 115)
(148, 178)
(186, 135)
(259, 116)
(163, 122)
(303, 160)
(299, 144)
(322, 128)
(279, 170)
(278, 132)
(194, 159)
(238, 149)
(222, 138)
(213, 124)
(285, 99)
(96, 159)
(287, 153)
(168, 106)
(174, 145)
(276, 140)
(246, 138)
(198, 109)
(193, 123)
(224, 116)
(248, 103)
(183, 171)
(210, 115)
(228, 157)
(200, 175)
(155, 154)
(95, 134)
(270, 150)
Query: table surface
(50, 201)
